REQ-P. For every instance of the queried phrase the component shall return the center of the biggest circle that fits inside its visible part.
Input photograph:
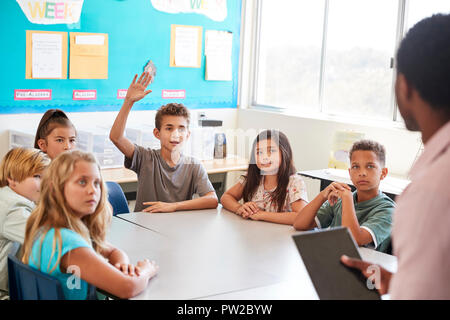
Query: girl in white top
(271, 190)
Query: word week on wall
(52, 12)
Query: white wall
(29, 122)
(312, 139)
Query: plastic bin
(97, 142)
(143, 136)
(20, 139)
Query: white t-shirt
(296, 190)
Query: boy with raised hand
(366, 212)
(167, 179)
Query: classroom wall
(29, 122)
(137, 33)
(312, 139)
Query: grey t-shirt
(157, 181)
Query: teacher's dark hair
(424, 59)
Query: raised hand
(136, 90)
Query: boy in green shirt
(367, 212)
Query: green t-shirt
(375, 215)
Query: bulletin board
(136, 33)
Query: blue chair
(117, 198)
(26, 283)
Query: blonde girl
(66, 232)
(20, 179)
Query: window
(418, 10)
(360, 44)
(333, 56)
(290, 43)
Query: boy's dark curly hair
(369, 145)
(171, 109)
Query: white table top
(388, 185)
(215, 254)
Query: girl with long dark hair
(271, 190)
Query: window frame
(319, 112)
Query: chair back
(27, 283)
(117, 198)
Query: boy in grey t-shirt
(167, 179)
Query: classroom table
(215, 254)
(391, 186)
(216, 169)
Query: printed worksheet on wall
(46, 55)
(218, 50)
(187, 46)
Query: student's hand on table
(247, 209)
(158, 206)
(127, 269)
(257, 216)
(379, 276)
(136, 90)
(147, 266)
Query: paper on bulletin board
(218, 50)
(342, 143)
(185, 46)
(88, 55)
(218, 68)
(46, 55)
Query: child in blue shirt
(65, 234)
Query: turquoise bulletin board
(137, 32)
